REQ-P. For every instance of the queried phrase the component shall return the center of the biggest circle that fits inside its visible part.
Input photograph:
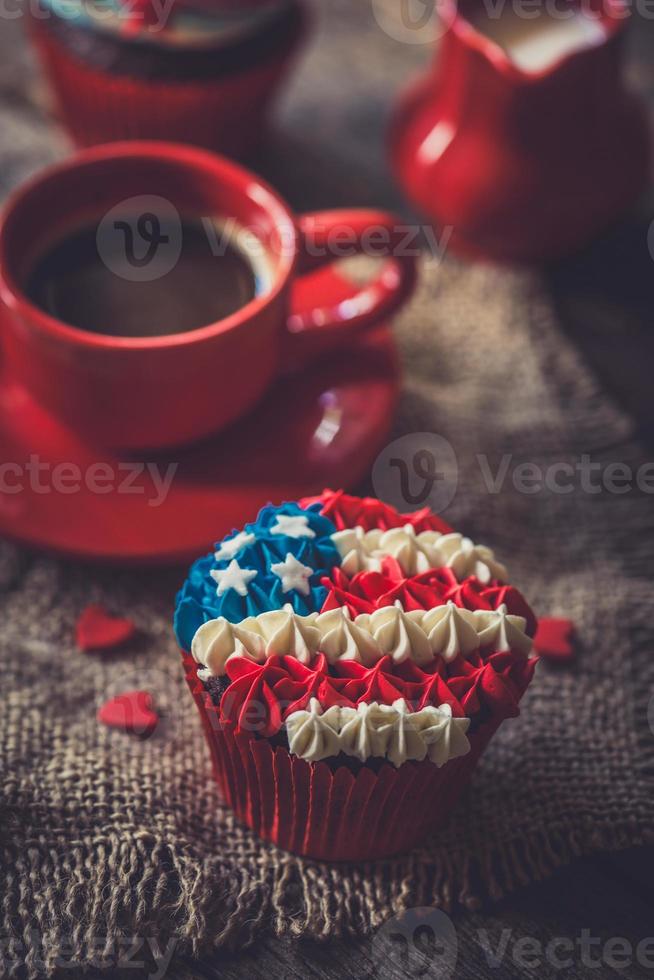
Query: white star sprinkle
(293, 526)
(233, 577)
(229, 549)
(294, 574)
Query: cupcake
(350, 665)
(179, 70)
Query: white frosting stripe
(444, 631)
(363, 551)
(378, 730)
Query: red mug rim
(15, 298)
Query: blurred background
(572, 341)
(329, 147)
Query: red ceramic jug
(521, 165)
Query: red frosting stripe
(378, 683)
(368, 591)
(370, 814)
(261, 696)
(367, 512)
(494, 688)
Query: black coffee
(131, 291)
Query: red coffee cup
(156, 391)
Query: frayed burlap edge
(60, 911)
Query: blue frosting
(198, 600)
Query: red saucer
(323, 427)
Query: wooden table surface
(328, 150)
(607, 898)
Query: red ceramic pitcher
(521, 165)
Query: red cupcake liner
(226, 114)
(306, 808)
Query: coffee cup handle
(326, 236)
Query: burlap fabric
(103, 835)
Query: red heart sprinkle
(553, 640)
(130, 712)
(98, 630)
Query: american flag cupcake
(350, 665)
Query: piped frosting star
(293, 574)
(230, 548)
(466, 558)
(256, 548)
(233, 577)
(293, 526)
(502, 631)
